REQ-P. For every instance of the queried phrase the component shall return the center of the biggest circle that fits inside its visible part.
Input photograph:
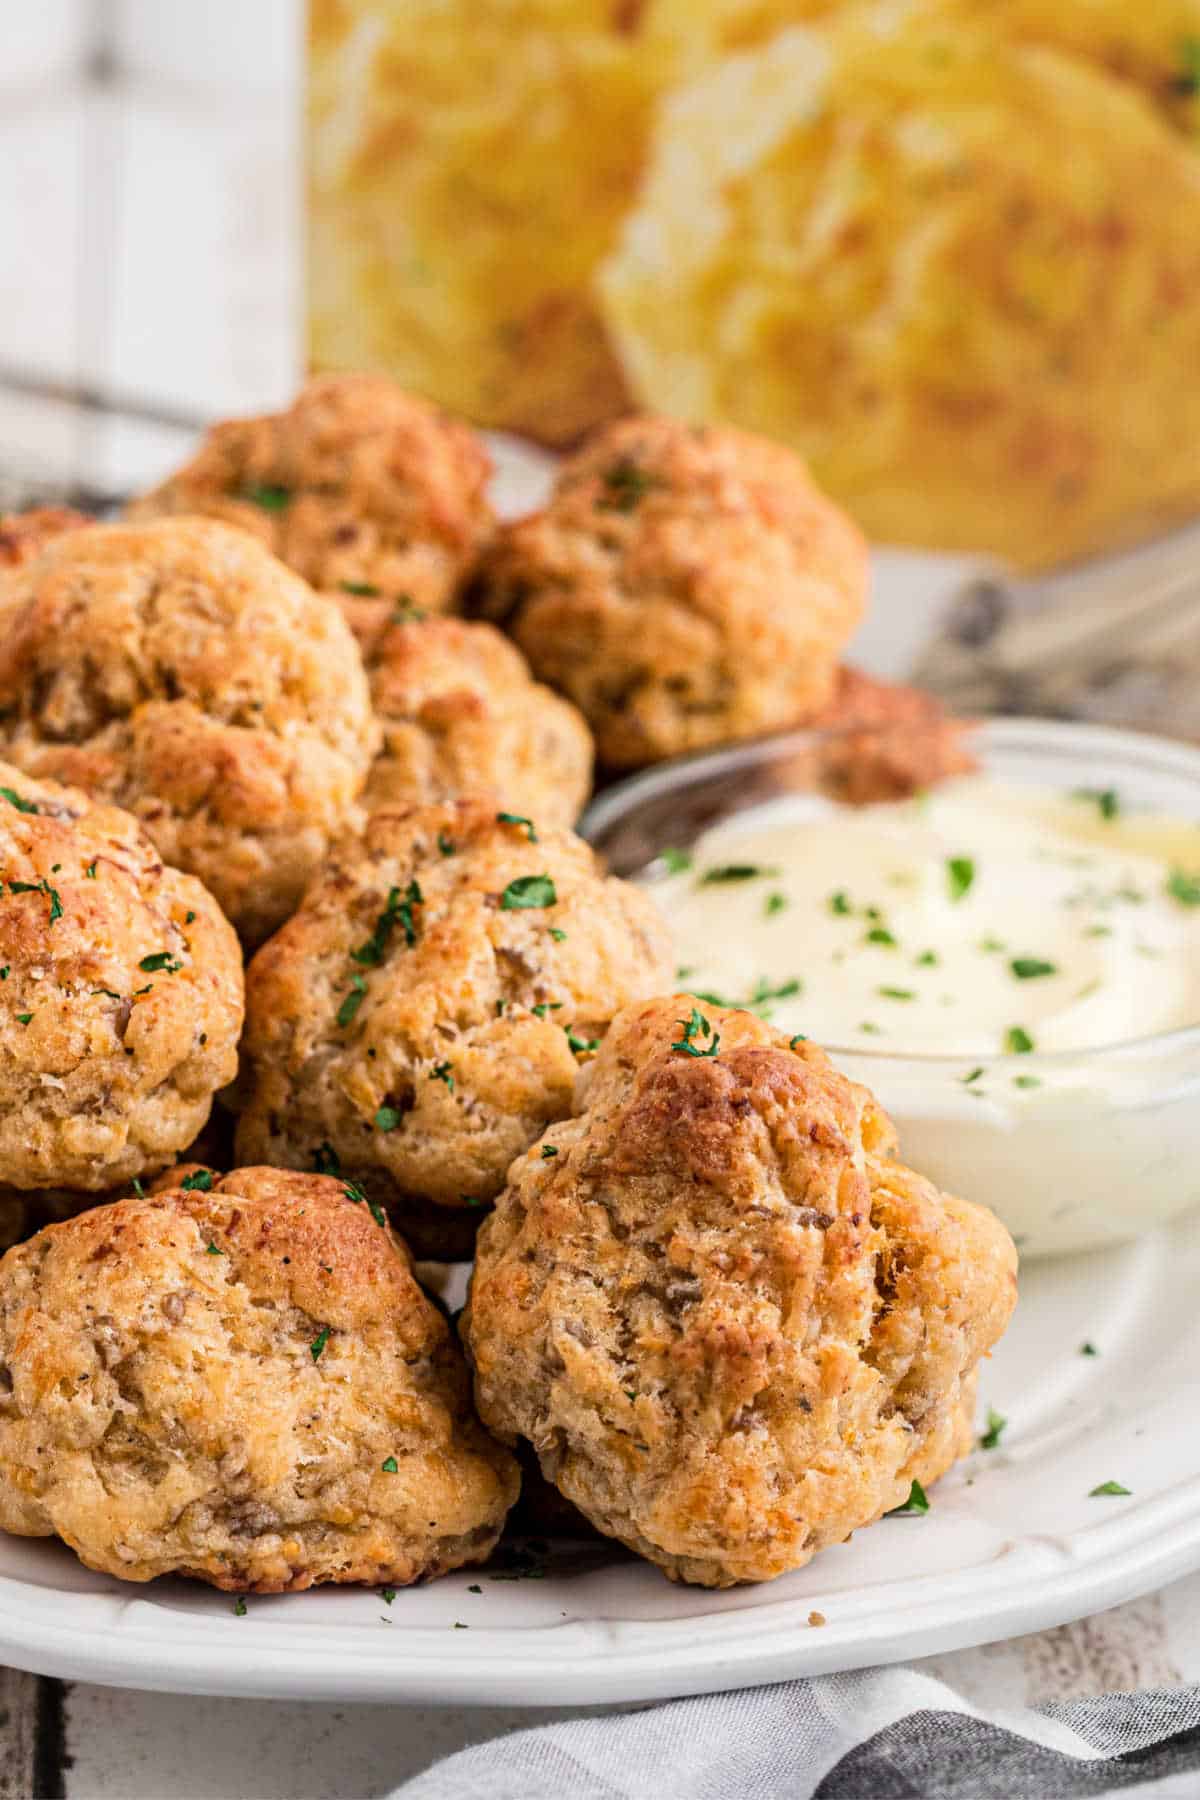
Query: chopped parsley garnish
(871, 1029)
(327, 1159)
(799, 1038)
(387, 1118)
(580, 1046)
(161, 959)
(546, 1006)
(559, 936)
(995, 1430)
(4, 973)
(505, 818)
(916, 1504)
(879, 934)
(138, 1189)
(42, 887)
(675, 861)
(268, 494)
(735, 872)
(774, 903)
(1108, 1487)
(239, 1607)
(928, 959)
(390, 1466)
(199, 1183)
(18, 800)
(528, 891)
(895, 993)
(387, 1595)
(397, 910)
(90, 871)
(697, 1027)
(1087, 1348)
(406, 611)
(107, 992)
(625, 484)
(443, 1071)
(24, 1018)
(446, 844)
(1107, 800)
(1017, 1041)
(352, 1001)
(960, 876)
(975, 1075)
(1027, 1081)
(992, 946)
(549, 1150)
(319, 1343)
(189, 918)
(211, 1249)
(362, 590)
(1031, 968)
(839, 904)
(1184, 887)
(474, 1588)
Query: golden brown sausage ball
(120, 994)
(423, 1016)
(461, 714)
(895, 740)
(685, 586)
(179, 670)
(240, 1381)
(732, 1328)
(360, 487)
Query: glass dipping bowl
(1108, 1145)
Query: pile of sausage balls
(304, 972)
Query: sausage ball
(120, 995)
(893, 740)
(179, 670)
(423, 1016)
(239, 1380)
(461, 714)
(360, 487)
(24, 535)
(733, 1329)
(684, 586)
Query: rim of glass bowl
(1100, 746)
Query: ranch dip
(976, 920)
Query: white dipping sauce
(960, 953)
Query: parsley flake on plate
(996, 1423)
(1017, 1041)
(1107, 1488)
(735, 872)
(1184, 887)
(915, 1506)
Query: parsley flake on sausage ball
(120, 995)
(360, 487)
(461, 714)
(424, 1015)
(685, 586)
(238, 1379)
(181, 671)
(733, 1328)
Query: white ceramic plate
(1013, 1543)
